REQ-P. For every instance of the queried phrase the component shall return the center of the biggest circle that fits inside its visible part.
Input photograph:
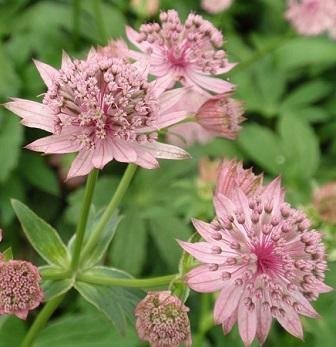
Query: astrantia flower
(189, 53)
(104, 109)
(324, 202)
(19, 288)
(312, 17)
(232, 174)
(263, 258)
(162, 320)
(222, 116)
(216, 6)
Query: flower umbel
(104, 109)
(162, 320)
(190, 53)
(263, 258)
(19, 288)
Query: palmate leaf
(117, 303)
(42, 236)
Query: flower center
(268, 262)
(177, 57)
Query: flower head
(104, 109)
(312, 17)
(263, 258)
(232, 174)
(325, 202)
(19, 288)
(162, 320)
(216, 6)
(222, 116)
(190, 53)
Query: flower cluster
(313, 17)
(20, 291)
(162, 320)
(261, 255)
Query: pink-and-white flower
(188, 52)
(263, 258)
(20, 291)
(216, 6)
(312, 17)
(162, 320)
(104, 109)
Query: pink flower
(214, 116)
(189, 53)
(324, 202)
(162, 320)
(222, 116)
(104, 109)
(232, 174)
(19, 288)
(312, 17)
(263, 258)
(216, 6)
(114, 49)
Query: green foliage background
(288, 85)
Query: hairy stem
(41, 320)
(118, 195)
(127, 282)
(81, 227)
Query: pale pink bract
(104, 109)
(216, 6)
(162, 320)
(263, 258)
(20, 291)
(189, 53)
(312, 17)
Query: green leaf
(84, 330)
(131, 238)
(8, 254)
(12, 331)
(53, 288)
(11, 135)
(262, 145)
(9, 81)
(300, 147)
(42, 236)
(116, 303)
(165, 228)
(35, 169)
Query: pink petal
(213, 84)
(132, 36)
(247, 323)
(172, 97)
(229, 323)
(306, 309)
(223, 206)
(264, 323)
(55, 144)
(146, 159)
(206, 230)
(165, 151)
(168, 119)
(273, 192)
(47, 72)
(66, 60)
(291, 322)
(202, 251)
(102, 154)
(163, 83)
(22, 314)
(322, 287)
(33, 114)
(227, 302)
(203, 280)
(82, 164)
(92, 52)
(123, 152)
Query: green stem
(80, 231)
(41, 320)
(127, 282)
(54, 274)
(99, 21)
(118, 195)
(76, 8)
